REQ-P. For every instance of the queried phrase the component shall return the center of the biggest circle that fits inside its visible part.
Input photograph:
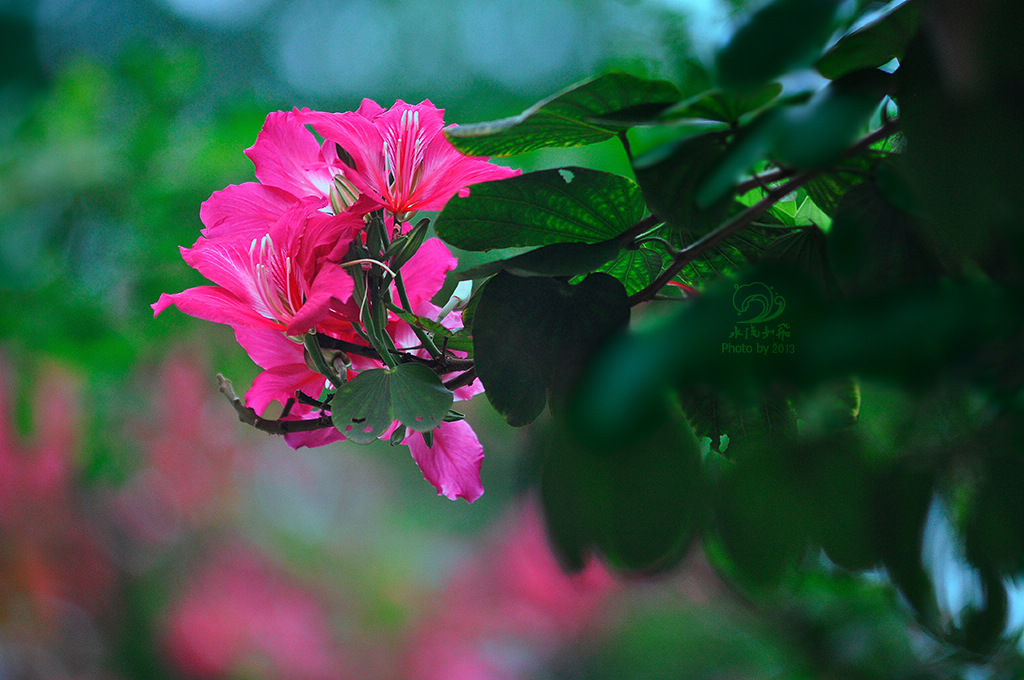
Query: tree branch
(743, 219)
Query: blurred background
(145, 533)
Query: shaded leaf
(590, 112)
(557, 260)
(723, 105)
(669, 177)
(532, 334)
(778, 37)
(567, 205)
(873, 43)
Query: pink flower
(285, 280)
(401, 160)
(291, 167)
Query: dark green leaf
(636, 269)
(418, 398)
(874, 43)
(815, 134)
(567, 205)
(725, 106)
(774, 39)
(748, 426)
(827, 188)
(638, 505)
(557, 260)
(361, 408)
(875, 245)
(742, 248)
(669, 177)
(590, 112)
(531, 334)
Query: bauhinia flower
(400, 158)
(284, 280)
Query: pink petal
(213, 303)
(287, 156)
(425, 271)
(453, 463)
(360, 138)
(313, 438)
(244, 210)
(332, 283)
(269, 348)
(280, 384)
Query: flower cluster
(318, 272)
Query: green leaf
(751, 144)
(779, 37)
(567, 205)
(531, 334)
(871, 44)
(828, 188)
(636, 269)
(815, 134)
(744, 247)
(361, 408)
(418, 398)
(725, 106)
(586, 113)
(557, 259)
(669, 177)
(747, 425)
(638, 505)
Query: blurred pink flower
(189, 461)
(239, 617)
(50, 548)
(505, 614)
(401, 159)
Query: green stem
(424, 337)
(317, 355)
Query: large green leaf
(774, 39)
(636, 269)
(531, 334)
(726, 106)
(875, 42)
(567, 205)
(742, 248)
(557, 259)
(586, 113)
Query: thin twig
(744, 219)
(248, 416)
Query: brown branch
(248, 416)
(742, 220)
(462, 380)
